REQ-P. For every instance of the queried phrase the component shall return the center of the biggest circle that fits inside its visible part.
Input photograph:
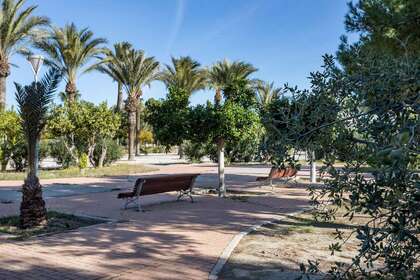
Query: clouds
(179, 19)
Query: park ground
(170, 240)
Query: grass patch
(113, 170)
(57, 222)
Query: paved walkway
(171, 240)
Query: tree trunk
(131, 134)
(119, 98)
(71, 91)
(2, 93)
(32, 208)
(218, 97)
(138, 128)
(221, 167)
(181, 151)
(102, 157)
(313, 166)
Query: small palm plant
(33, 101)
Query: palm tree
(111, 58)
(17, 28)
(266, 93)
(71, 50)
(33, 101)
(220, 75)
(134, 71)
(184, 73)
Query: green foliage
(79, 127)
(114, 151)
(195, 151)
(12, 143)
(169, 117)
(83, 161)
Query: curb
(227, 252)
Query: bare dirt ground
(275, 251)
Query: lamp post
(36, 62)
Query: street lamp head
(36, 62)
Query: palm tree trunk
(119, 98)
(2, 93)
(71, 92)
(32, 208)
(138, 128)
(221, 166)
(131, 134)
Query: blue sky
(284, 39)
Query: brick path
(171, 240)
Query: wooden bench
(182, 183)
(285, 174)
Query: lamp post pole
(36, 62)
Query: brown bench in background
(182, 183)
(285, 174)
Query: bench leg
(135, 201)
(185, 193)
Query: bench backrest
(282, 172)
(162, 184)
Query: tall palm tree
(17, 28)
(71, 50)
(33, 101)
(134, 71)
(184, 73)
(266, 93)
(220, 75)
(113, 57)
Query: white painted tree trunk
(221, 167)
(313, 167)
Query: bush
(58, 150)
(83, 161)
(194, 151)
(113, 151)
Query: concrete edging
(227, 252)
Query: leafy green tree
(81, 127)
(169, 117)
(134, 71)
(185, 74)
(72, 51)
(230, 122)
(18, 27)
(222, 75)
(11, 138)
(33, 101)
(377, 94)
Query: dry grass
(113, 170)
(57, 222)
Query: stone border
(227, 252)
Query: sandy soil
(275, 251)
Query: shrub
(83, 161)
(113, 152)
(194, 151)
